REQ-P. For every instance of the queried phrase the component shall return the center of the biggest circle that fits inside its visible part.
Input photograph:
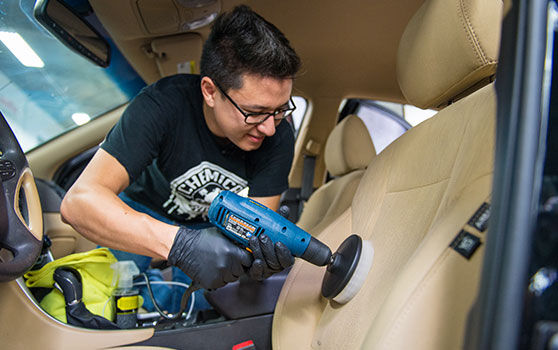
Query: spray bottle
(126, 297)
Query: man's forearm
(100, 216)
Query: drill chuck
(317, 253)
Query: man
(184, 139)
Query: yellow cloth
(96, 277)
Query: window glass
(386, 121)
(299, 113)
(396, 108)
(45, 88)
(413, 115)
(383, 125)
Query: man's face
(257, 95)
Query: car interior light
(81, 118)
(198, 23)
(21, 49)
(196, 3)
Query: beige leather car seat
(349, 149)
(414, 199)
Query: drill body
(240, 218)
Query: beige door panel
(45, 160)
(65, 240)
(26, 326)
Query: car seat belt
(309, 165)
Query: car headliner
(347, 48)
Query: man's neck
(214, 129)
(210, 121)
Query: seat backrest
(414, 200)
(349, 149)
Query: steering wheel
(21, 217)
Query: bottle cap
(124, 272)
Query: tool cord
(183, 303)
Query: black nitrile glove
(268, 258)
(208, 257)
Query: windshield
(45, 88)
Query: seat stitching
(286, 291)
(445, 253)
(436, 98)
(417, 187)
(409, 302)
(459, 150)
(470, 31)
(444, 195)
(413, 298)
(451, 171)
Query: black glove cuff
(178, 251)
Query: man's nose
(267, 127)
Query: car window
(383, 125)
(385, 121)
(298, 115)
(413, 115)
(45, 88)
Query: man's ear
(209, 91)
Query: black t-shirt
(176, 165)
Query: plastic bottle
(126, 298)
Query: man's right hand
(207, 257)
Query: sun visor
(162, 17)
(178, 54)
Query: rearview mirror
(72, 30)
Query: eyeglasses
(256, 118)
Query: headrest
(348, 147)
(448, 50)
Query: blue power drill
(240, 218)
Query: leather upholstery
(349, 149)
(413, 200)
(329, 201)
(418, 291)
(448, 48)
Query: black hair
(243, 42)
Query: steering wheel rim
(21, 233)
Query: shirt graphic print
(193, 191)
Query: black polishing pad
(343, 265)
